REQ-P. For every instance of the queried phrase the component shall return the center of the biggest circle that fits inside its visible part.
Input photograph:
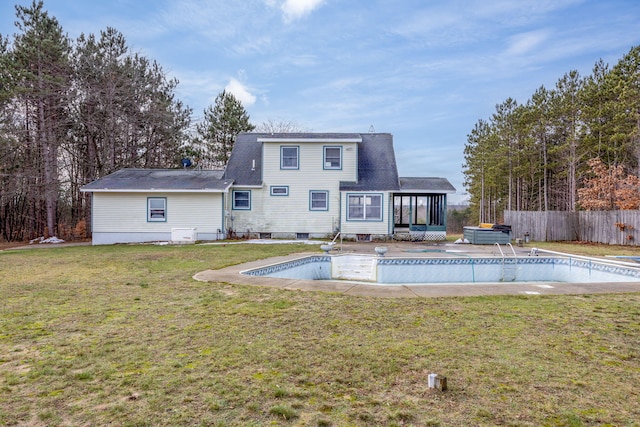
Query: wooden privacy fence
(611, 227)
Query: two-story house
(289, 185)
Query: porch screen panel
(406, 209)
(428, 209)
(422, 204)
(436, 214)
(397, 209)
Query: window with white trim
(367, 207)
(279, 190)
(289, 157)
(332, 158)
(241, 200)
(318, 200)
(157, 209)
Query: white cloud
(296, 9)
(241, 92)
(523, 43)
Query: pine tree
(222, 124)
(42, 77)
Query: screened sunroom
(420, 208)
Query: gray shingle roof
(161, 179)
(377, 170)
(241, 167)
(426, 185)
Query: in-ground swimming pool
(407, 271)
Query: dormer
(333, 156)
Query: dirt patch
(15, 245)
(9, 245)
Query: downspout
(340, 212)
(391, 218)
(92, 215)
(223, 227)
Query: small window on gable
(318, 200)
(280, 190)
(157, 209)
(241, 199)
(289, 157)
(332, 158)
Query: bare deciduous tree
(280, 126)
(609, 188)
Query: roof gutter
(321, 140)
(154, 190)
(407, 191)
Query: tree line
(550, 152)
(72, 111)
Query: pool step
(354, 267)
(509, 267)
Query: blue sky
(424, 71)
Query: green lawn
(122, 335)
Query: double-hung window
(318, 200)
(332, 158)
(289, 157)
(241, 199)
(157, 209)
(367, 207)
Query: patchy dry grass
(122, 335)
(588, 248)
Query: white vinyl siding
(311, 159)
(292, 214)
(127, 212)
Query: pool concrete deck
(232, 274)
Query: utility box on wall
(183, 235)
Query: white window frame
(325, 206)
(234, 201)
(288, 158)
(156, 213)
(365, 207)
(327, 162)
(279, 190)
